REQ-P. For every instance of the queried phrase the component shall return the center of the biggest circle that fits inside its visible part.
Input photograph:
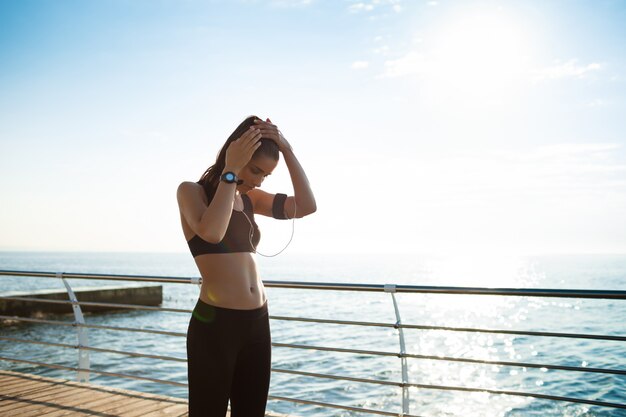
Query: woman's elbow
(307, 210)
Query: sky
(423, 126)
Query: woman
(228, 339)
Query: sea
(564, 315)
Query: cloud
(368, 6)
(382, 50)
(357, 65)
(567, 168)
(411, 63)
(564, 197)
(569, 69)
(572, 174)
(481, 70)
(291, 3)
(360, 7)
(575, 149)
(598, 102)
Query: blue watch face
(229, 177)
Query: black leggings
(228, 357)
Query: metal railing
(83, 368)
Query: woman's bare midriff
(230, 280)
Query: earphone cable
(293, 226)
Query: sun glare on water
(471, 269)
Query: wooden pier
(27, 395)
(23, 395)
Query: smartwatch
(229, 177)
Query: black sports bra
(237, 236)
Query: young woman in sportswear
(228, 338)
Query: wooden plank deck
(27, 395)
(23, 395)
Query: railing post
(83, 340)
(391, 288)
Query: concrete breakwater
(26, 304)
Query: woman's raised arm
(303, 201)
(211, 222)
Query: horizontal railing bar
(98, 304)
(521, 364)
(93, 326)
(451, 359)
(341, 350)
(451, 388)
(555, 367)
(106, 277)
(516, 332)
(452, 329)
(132, 329)
(457, 329)
(521, 394)
(338, 377)
(96, 349)
(70, 368)
(425, 289)
(331, 321)
(42, 321)
(343, 407)
(413, 356)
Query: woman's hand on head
(240, 151)
(270, 131)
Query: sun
(480, 56)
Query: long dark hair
(211, 177)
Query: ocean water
(520, 313)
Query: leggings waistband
(208, 312)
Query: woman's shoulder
(189, 188)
